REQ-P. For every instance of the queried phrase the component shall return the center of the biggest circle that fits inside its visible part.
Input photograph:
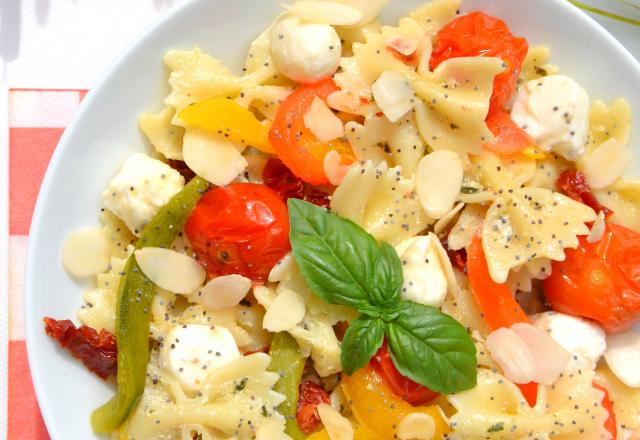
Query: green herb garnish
(343, 264)
(469, 190)
(496, 428)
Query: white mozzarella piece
(425, 281)
(623, 356)
(190, 352)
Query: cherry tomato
(478, 34)
(600, 281)
(311, 395)
(239, 229)
(508, 137)
(574, 184)
(403, 387)
(610, 424)
(458, 258)
(278, 177)
(295, 145)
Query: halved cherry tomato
(574, 184)
(403, 387)
(610, 424)
(295, 145)
(508, 137)
(478, 34)
(600, 281)
(374, 405)
(239, 229)
(278, 177)
(498, 306)
(311, 395)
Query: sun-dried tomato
(311, 395)
(97, 351)
(182, 168)
(278, 177)
(573, 184)
(458, 258)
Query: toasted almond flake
(322, 122)
(172, 271)
(405, 46)
(86, 252)
(549, 357)
(416, 426)
(285, 312)
(606, 163)
(623, 356)
(370, 9)
(283, 269)
(438, 181)
(597, 230)
(223, 292)
(442, 224)
(462, 232)
(333, 169)
(393, 94)
(512, 355)
(338, 427)
(212, 157)
(326, 12)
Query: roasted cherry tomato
(610, 424)
(600, 281)
(508, 137)
(239, 229)
(311, 395)
(574, 184)
(403, 387)
(298, 148)
(278, 177)
(478, 34)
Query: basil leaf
(432, 349)
(337, 258)
(361, 341)
(387, 278)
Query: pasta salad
(409, 231)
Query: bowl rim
(37, 228)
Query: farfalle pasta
(374, 231)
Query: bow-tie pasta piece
(380, 200)
(535, 64)
(623, 198)
(165, 137)
(435, 14)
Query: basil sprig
(343, 264)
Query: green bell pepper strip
(135, 294)
(287, 361)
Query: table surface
(51, 52)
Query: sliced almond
(512, 355)
(393, 94)
(370, 9)
(334, 169)
(405, 46)
(285, 312)
(424, 49)
(597, 230)
(442, 224)
(283, 269)
(338, 427)
(170, 270)
(322, 122)
(416, 426)
(223, 292)
(326, 12)
(549, 356)
(438, 181)
(462, 232)
(623, 356)
(212, 157)
(86, 252)
(271, 429)
(606, 163)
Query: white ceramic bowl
(105, 132)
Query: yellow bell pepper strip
(135, 294)
(229, 119)
(360, 432)
(287, 361)
(375, 406)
